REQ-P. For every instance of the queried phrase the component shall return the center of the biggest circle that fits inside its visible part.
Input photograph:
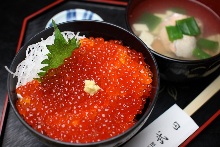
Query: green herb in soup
(151, 20)
(207, 44)
(176, 34)
(188, 26)
(199, 53)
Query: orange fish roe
(59, 107)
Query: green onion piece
(207, 44)
(174, 33)
(151, 20)
(188, 26)
(200, 54)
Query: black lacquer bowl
(95, 29)
(177, 70)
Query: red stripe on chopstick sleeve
(197, 132)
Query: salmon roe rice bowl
(91, 93)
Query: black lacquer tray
(15, 134)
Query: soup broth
(150, 19)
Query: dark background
(12, 15)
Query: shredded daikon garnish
(29, 68)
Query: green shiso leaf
(60, 50)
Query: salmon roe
(59, 107)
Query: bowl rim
(170, 58)
(141, 121)
(213, 58)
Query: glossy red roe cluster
(59, 107)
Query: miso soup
(186, 30)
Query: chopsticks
(167, 128)
(203, 97)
